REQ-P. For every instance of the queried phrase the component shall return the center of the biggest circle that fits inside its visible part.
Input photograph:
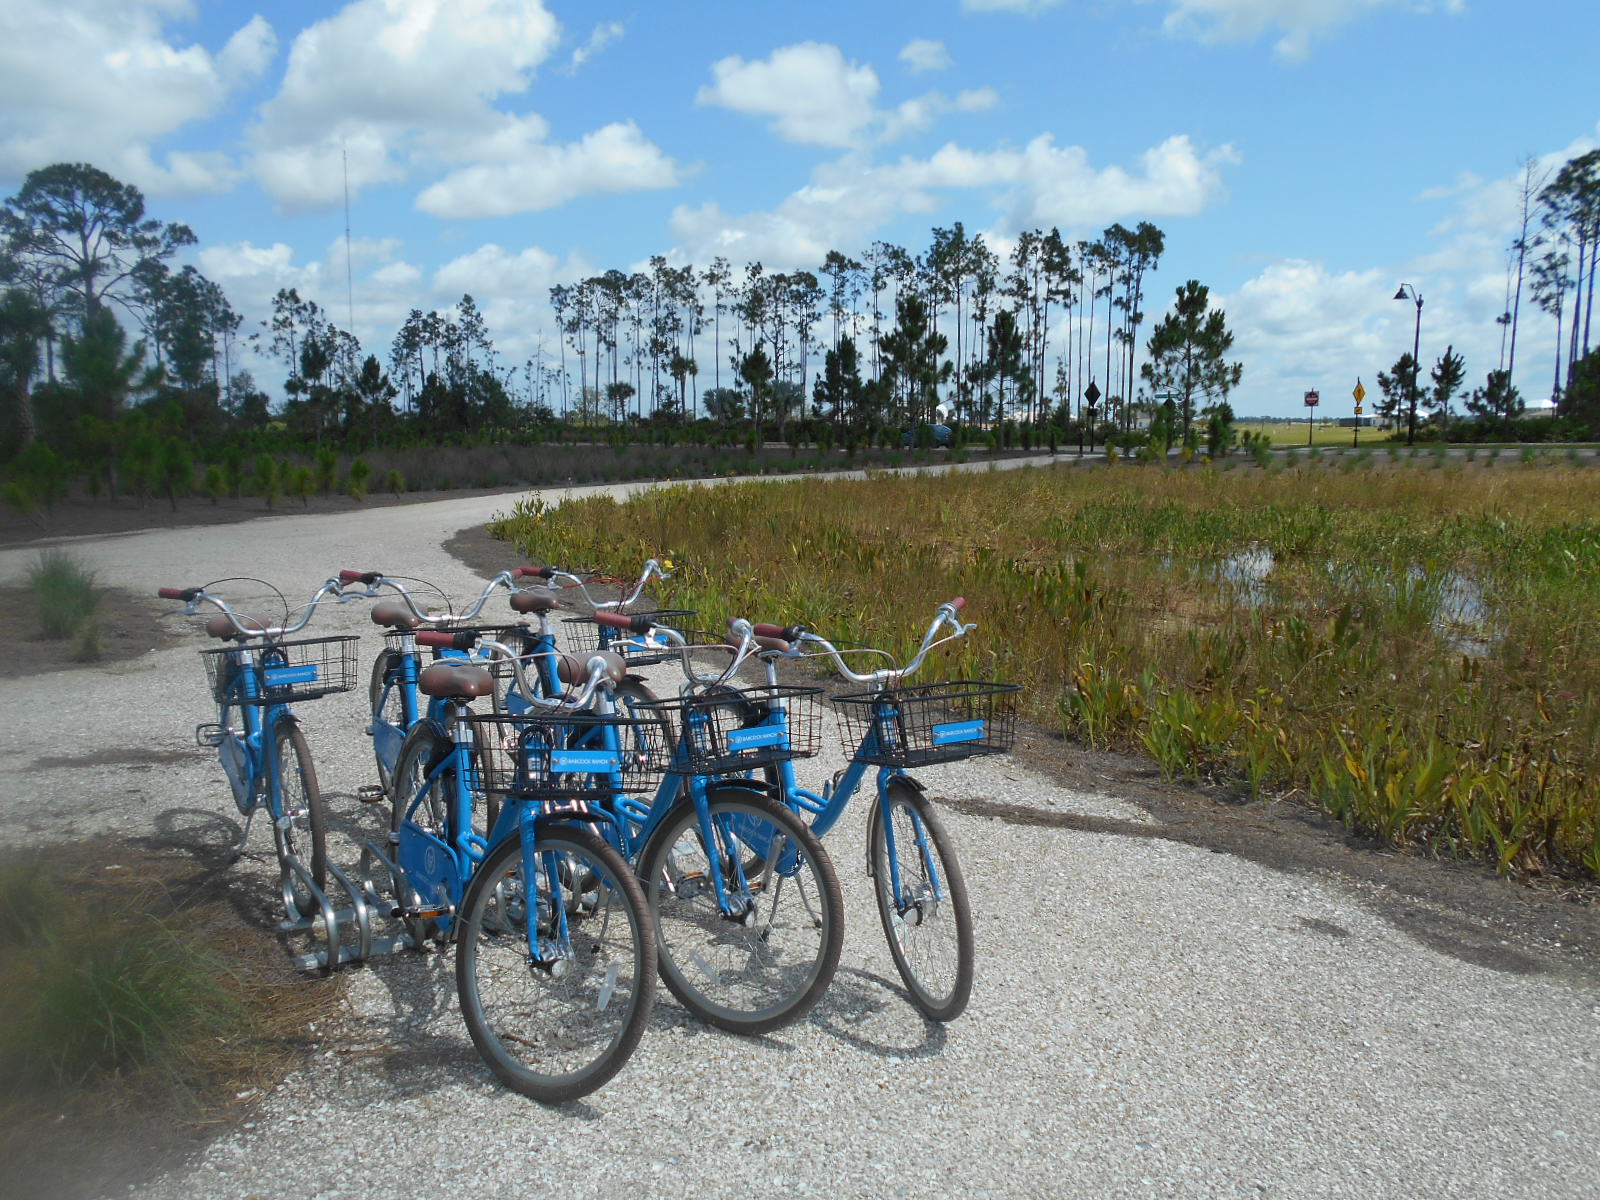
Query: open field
(1323, 432)
(1408, 643)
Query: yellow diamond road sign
(1360, 393)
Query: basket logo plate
(745, 739)
(285, 676)
(958, 731)
(584, 762)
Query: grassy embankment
(1409, 643)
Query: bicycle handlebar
(192, 597)
(443, 639)
(375, 580)
(799, 637)
(652, 570)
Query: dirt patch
(126, 625)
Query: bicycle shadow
(859, 1002)
(401, 1020)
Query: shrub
(214, 483)
(64, 590)
(356, 481)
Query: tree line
(1045, 335)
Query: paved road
(1150, 1018)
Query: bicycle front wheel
(557, 1022)
(928, 921)
(764, 959)
(300, 830)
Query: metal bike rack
(357, 915)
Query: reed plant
(1283, 632)
(64, 591)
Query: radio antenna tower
(349, 284)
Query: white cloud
(1044, 184)
(976, 99)
(101, 82)
(382, 75)
(395, 88)
(812, 95)
(808, 90)
(1041, 184)
(1301, 21)
(604, 34)
(925, 54)
(614, 158)
(250, 51)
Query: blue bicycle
(744, 900)
(555, 958)
(918, 885)
(254, 678)
(747, 907)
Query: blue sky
(1302, 156)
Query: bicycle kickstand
(234, 854)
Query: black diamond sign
(1091, 394)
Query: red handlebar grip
(349, 576)
(614, 619)
(958, 603)
(436, 637)
(521, 571)
(171, 593)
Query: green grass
(1339, 676)
(64, 592)
(138, 1012)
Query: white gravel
(1150, 1018)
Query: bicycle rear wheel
(300, 831)
(556, 1025)
(387, 705)
(929, 923)
(768, 961)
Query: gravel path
(1150, 1018)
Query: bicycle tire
(299, 822)
(385, 702)
(554, 1038)
(743, 978)
(930, 940)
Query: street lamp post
(1416, 363)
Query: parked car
(927, 435)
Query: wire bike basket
(931, 723)
(727, 730)
(286, 672)
(586, 636)
(568, 756)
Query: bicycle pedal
(371, 793)
(430, 912)
(209, 736)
